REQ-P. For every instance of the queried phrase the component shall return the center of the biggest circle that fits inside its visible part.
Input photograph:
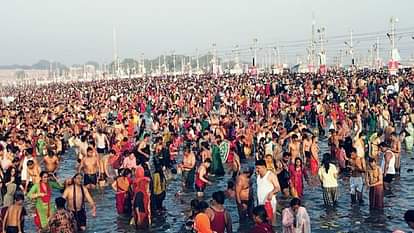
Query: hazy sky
(75, 31)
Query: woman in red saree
(314, 159)
(121, 187)
(297, 175)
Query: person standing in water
(13, 218)
(387, 165)
(220, 219)
(267, 187)
(357, 167)
(244, 197)
(188, 168)
(295, 219)
(396, 149)
(201, 180)
(90, 166)
(75, 195)
(260, 219)
(42, 193)
(51, 162)
(62, 221)
(328, 175)
(283, 175)
(375, 184)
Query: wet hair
(299, 159)
(126, 172)
(384, 145)
(60, 202)
(202, 206)
(260, 212)
(74, 176)
(285, 154)
(379, 133)
(409, 216)
(295, 201)
(326, 164)
(30, 162)
(89, 149)
(207, 160)
(19, 196)
(260, 162)
(219, 197)
(353, 150)
(29, 150)
(194, 203)
(205, 144)
(42, 173)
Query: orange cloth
(123, 183)
(202, 223)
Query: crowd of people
(134, 135)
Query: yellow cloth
(159, 186)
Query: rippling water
(343, 219)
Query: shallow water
(343, 219)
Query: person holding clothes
(295, 219)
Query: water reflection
(343, 218)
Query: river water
(344, 218)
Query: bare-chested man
(188, 168)
(205, 153)
(294, 147)
(374, 142)
(357, 166)
(396, 148)
(33, 174)
(306, 148)
(51, 162)
(13, 218)
(82, 146)
(244, 199)
(75, 195)
(90, 167)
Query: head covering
(140, 179)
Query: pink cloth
(129, 162)
(302, 221)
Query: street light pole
(255, 52)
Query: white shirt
(328, 179)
